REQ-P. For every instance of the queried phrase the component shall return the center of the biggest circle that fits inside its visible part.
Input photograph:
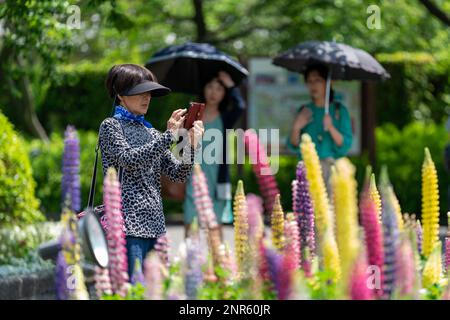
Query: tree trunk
(199, 19)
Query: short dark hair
(122, 77)
(322, 70)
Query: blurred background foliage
(53, 75)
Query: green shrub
(18, 204)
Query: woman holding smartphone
(217, 94)
(130, 142)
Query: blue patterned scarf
(122, 113)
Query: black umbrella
(186, 68)
(343, 61)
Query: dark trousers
(137, 249)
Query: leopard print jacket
(143, 153)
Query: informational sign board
(275, 95)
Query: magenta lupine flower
(193, 275)
(255, 216)
(373, 236)
(118, 264)
(405, 269)
(61, 278)
(286, 276)
(390, 245)
(358, 280)
(263, 264)
(102, 282)
(447, 254)
(202, 200)
(260, 165)
(162, 248)
(303, 208)
(71, 170)
(419, 235)
(292, 233)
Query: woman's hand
(176, 121)
(303, 118)
(327, 122)
(196, 133)
(225, 78)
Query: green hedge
(18, 204)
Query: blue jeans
(138, 248)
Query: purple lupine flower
(274, 262)
(71, 169)
(193, 275)
(118, 263)
(61, 277)
(305, 213)
(419, 235)
(390, 244)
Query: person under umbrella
(224, 106)
(331, 132)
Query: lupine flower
(405, 279)
(118, 264)
(138, 275)
(346, 209)
(260, 164)
(153, 276)
(419, 233)
(447, 247)
(264, 272)
(277, 224)
(390, 240)
(274, 261)
(241, 241)
(203, 202)
(71, 170)
(359, 290)
(292, 239)
(102, 282)
(162, 248)
(193, 274)
(61, 278)
(388, 189)
(373, 235)
(255, 216)
(331, 260)
(285, 276)
(71, 252)
(317, 190)
(304, 209)
(375, 196)
(432, 270)
(430, 205)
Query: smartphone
(194, 113)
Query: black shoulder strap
(94, 176)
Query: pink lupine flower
(405, 269)
(162, 247)
(292, 247)
(260, 164)
(102, 282)
(118, 264)
(203, 202)
(255, 216)
(153, 276)
(359, 289)
(373, 236)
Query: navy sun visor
(155, 89)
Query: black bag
(99, 210)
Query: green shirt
(325, 145)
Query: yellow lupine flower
(277, 224)
(317, 188)
(241, 242)
(331, 261)
(344, 188)
(430, 205)
(375, 195)
(432, 270)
